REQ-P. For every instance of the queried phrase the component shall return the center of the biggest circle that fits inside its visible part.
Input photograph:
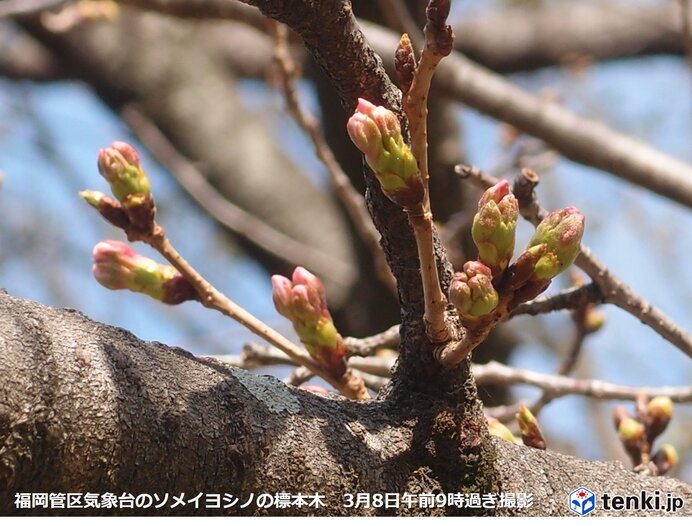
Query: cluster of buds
(133, 208)
(302, 300)
(376, 132)
(117, 266)
(637, 433)
(472, 291)
(554, 246)
(494, 226)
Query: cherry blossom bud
(665, 459)
(120, 166)
(117, 266)
(561, 231)
(659, 411)
(494, 226)
(531, 433)
(631, 433)
(376, 132)
(498, 429)
(472, 291)
(303, 301)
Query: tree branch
(90, 403)
(353, 202)
(20, 8)
(559, 385)
(577, 138)
(225, 212)
(613, 290)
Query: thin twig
(569, 361)
(614, 291)
(221, 209)
(257, 355)
(210, 297)
(369, 345)
(494, 372)
(438, 44)
(577, 138)
(353, 202)
(299, 376)
(20, 8)
(570, 298)
(491, 373)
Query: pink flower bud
(120, 166)
(494, 226)
(561, 232)
(472, 291)
(376, 132)
(117, 266)
(302, 300)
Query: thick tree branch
(89, 406)
(559, 34)
(250, 227)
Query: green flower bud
(117, 266)
(472, 291)
(376, 132)
(561, 232)
(660, 412)
(494, 226)
(303, 301)
(631, 433)
(531, 433)
(665, 459)
(498, 429)
(120, 166)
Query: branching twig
(438, 44)
(257, 355)
(299, 376)
(559, 386)
(221, 209)
(577, 138)
(349, 196)
(571, 298)
(368, 346)
(614, 291)
(211, 298)
(582, 330)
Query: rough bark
(90, 408)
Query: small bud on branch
(117, 266)
(376, 132)
(303, 301)
(494, 226)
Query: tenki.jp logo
(582, 501)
